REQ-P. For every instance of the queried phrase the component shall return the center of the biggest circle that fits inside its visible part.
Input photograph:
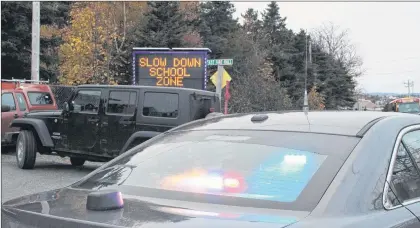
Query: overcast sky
(386, 35)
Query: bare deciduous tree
(335, 41)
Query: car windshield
(412, 107)
(283, 169)
(40, 98)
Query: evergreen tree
(273, 23)
(165, 26)
(252, 25)
(16, 32)
(332, 81)
(279, 41)
(217, 26)
(295, 80)
(16, 23)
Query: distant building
(366, 105)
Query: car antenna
(305, 103)
(305, 98)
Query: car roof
(34, 88)
(157, 88)
(12, 86)
(350, 123)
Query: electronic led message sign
(170, 68)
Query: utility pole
(409, 84)
(35, 41)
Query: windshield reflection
(239, 167)
(413, 107)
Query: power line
(386, 73)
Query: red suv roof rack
(24, 81)
(15, 83)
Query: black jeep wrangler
(99, 122)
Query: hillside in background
(393, 94)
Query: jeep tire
(77, 161)
(26, 150)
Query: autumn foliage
(94, 40)
(315, 100)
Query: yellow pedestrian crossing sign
(226, 77)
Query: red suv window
(40, 98)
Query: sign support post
(220, 70)
(227, 96)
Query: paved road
(50, 172)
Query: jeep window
(160, 105)
(87, 101)
(7, 99)
(21, 101)
(40, 98)
(122, 102)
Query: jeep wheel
(77, 161)
(26, 150)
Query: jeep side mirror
(66, 106)
(5, 108)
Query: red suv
(18, 98)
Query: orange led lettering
(187, 62)
(165, 81)
(155, 62)
(180, 71)
(179, 82)
(159, 81)
(153, 72)
(184, 73)
(159, 72)
(194, 62)
(169, 81)
(177, 62)
(169, 76)
(143, 62)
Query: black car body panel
(51, 209)
(102, 118)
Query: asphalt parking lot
(50, 172)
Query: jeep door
(119, 121)
(83, 121)
(7, 98)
